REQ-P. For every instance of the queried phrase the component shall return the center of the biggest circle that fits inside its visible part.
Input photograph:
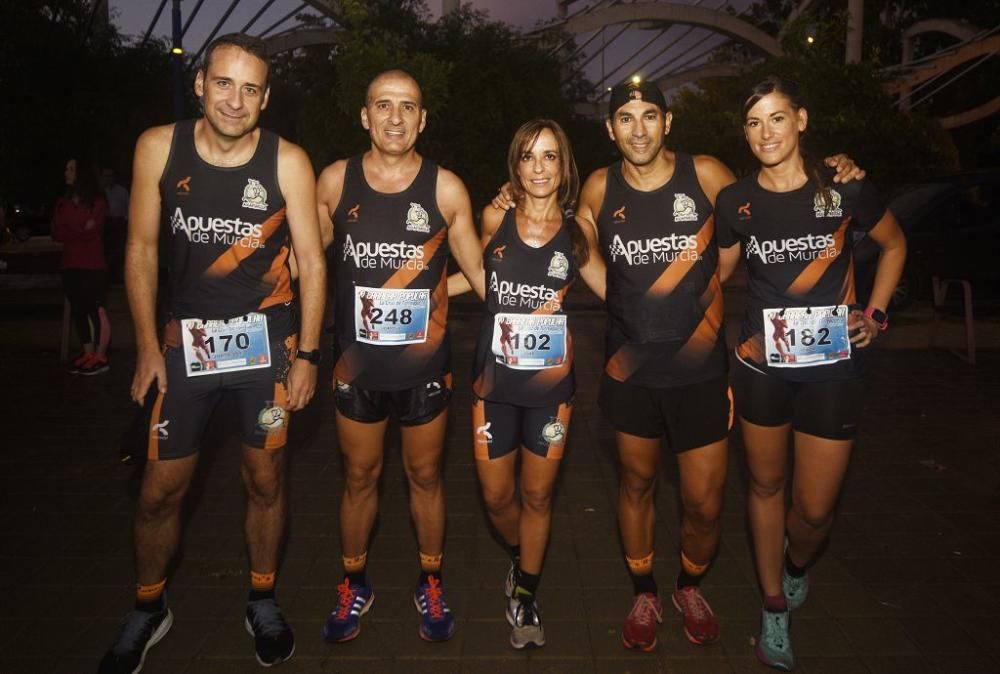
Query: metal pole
(177, 61)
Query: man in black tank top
(392, 216)
(234, 199)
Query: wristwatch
(314, 356)
(878, 316)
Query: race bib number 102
(391, 317)
(529, 341)
(216, 346)
(806, 336)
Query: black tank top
(228, 236)
(390, 263)
(524, 355)
(664, 299)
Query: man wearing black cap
(666, 361)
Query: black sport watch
(314, 356)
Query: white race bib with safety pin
(806, 336)
(216, 346)
(529, 341)
(391, 316)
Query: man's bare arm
(298, 187)
(142, 257)
(456, 207)
(594, 273)
(329, 189)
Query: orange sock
(261, 582)
(147, 594)
(355, 564)
(430, 563)
(642, 566)
(692, 568)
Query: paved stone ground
(907, 585)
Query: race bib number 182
(806, 336)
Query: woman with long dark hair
(78, 222)
(523, 381)
(801, 344)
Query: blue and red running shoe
(353, 601)
(436, 621)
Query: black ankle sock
(644, 583)
(257, 595)
(515, 552)
(793, 570)
(528, 581)
(685, 579)
(155, 606)
(356, 577)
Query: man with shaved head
(392, 216)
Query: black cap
(636, 91)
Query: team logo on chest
(684, 208)
(254, 195)
(417, 219)
(833, 210)
(559, 266)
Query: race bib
(212, 347)
(806, 336)
(391, 317)
(529, 341)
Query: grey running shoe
(140, 631)
(523, 616)
(796, 589)
(511, 581)
(774, 648)
(273, 640)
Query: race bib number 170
(216, 346)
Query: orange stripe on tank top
(707, 332)
(678, 269)
(811, 275)
(241, 250)
(279, 275)
(403, 276)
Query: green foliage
(480, 80)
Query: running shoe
(640, 623)
(78, 362)
(272, 637)
(796, 589)
(700, 624)
(525, 621)
(140, 631)
(774, 648)
(353, 601)
(96, 364)
(436, 621)
(511, 581)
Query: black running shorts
(499, 429)
(691, 416)
(180, 415)
(413, 406)
(827, 409)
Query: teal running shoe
(774, 648)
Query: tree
(480, 79)
(71, 86)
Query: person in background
(78, 222)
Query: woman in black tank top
(523, 373)
(804, 375)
